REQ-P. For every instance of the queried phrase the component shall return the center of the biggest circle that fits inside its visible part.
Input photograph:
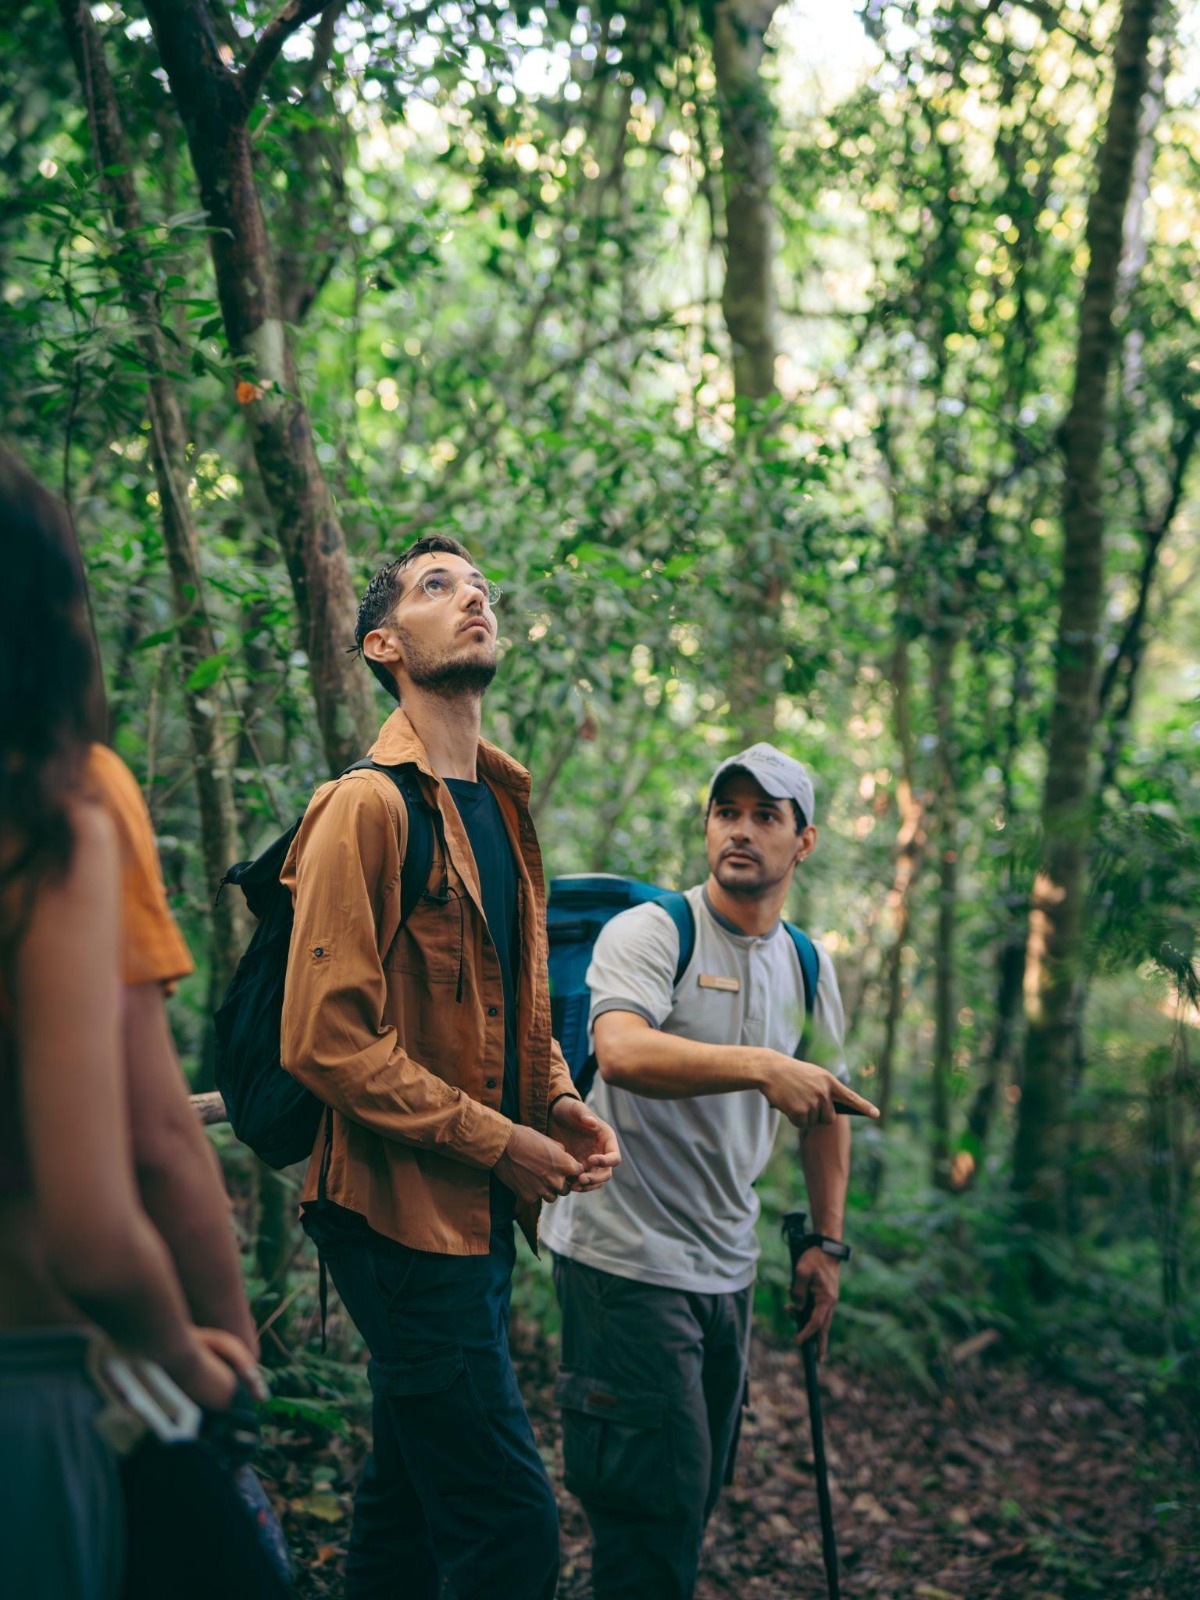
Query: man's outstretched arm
(663, 1066)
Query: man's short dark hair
(385, 591)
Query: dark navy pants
(454, 1487)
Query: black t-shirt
(488, 837)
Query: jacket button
(493, 1011)
(490, 1084)
(319, 952)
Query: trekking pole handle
(795, 1231)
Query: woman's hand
(220, 1360)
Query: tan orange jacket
(401, 1030)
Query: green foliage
(1145, 890)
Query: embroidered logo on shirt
(715, 980)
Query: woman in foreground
(77, 1251)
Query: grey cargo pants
(651, 1390)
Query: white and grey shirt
(680, 1209)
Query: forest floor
(1009, 1486)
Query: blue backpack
(577, 908)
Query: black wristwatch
(837, 1248)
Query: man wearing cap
(655, 1274)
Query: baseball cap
(777, 775)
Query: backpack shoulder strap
(810, 965)
(422, 820)
(679, 908)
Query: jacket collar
(398, 744)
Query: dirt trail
(1010, 1488)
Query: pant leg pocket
(616, 1446)
(441, 1422)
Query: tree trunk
(211, 731)
(748, 306)
(1135, 241)
(1056, 924)
(274, 1239)
(1118, 685)
(910, 849)
(941, 653)
(748, 295)
(214, 103)
(274, 1242)
(1010, 974)
(1171, 1153)
(306, 253)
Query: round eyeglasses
(441, 586)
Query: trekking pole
(795, 1227)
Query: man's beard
(737, 882)
(446, 676)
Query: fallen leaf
(322, 1504)
(975, 1345)
(866, 1505)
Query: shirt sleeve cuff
(603, 1006)
(482, 1134)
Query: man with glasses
(452, 1113)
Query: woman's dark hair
(51, 703)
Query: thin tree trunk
(274, 1242)
(1056, 927)
(749, 307)
(941, 651)
(747, 164)
(214, 103)
(1135, 241)
(130, 631)
(211, 733)
(910, 850)
(1127, 661)
(1010, 963)
(1171, 1157)
(307, 254)
(1010, 974)
(1118, 685)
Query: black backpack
(269, 1111)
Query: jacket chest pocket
(431, 946)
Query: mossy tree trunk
(748, 304)
(210, 727)
(1054, 967)
(215, 102)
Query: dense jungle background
(827, 373)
